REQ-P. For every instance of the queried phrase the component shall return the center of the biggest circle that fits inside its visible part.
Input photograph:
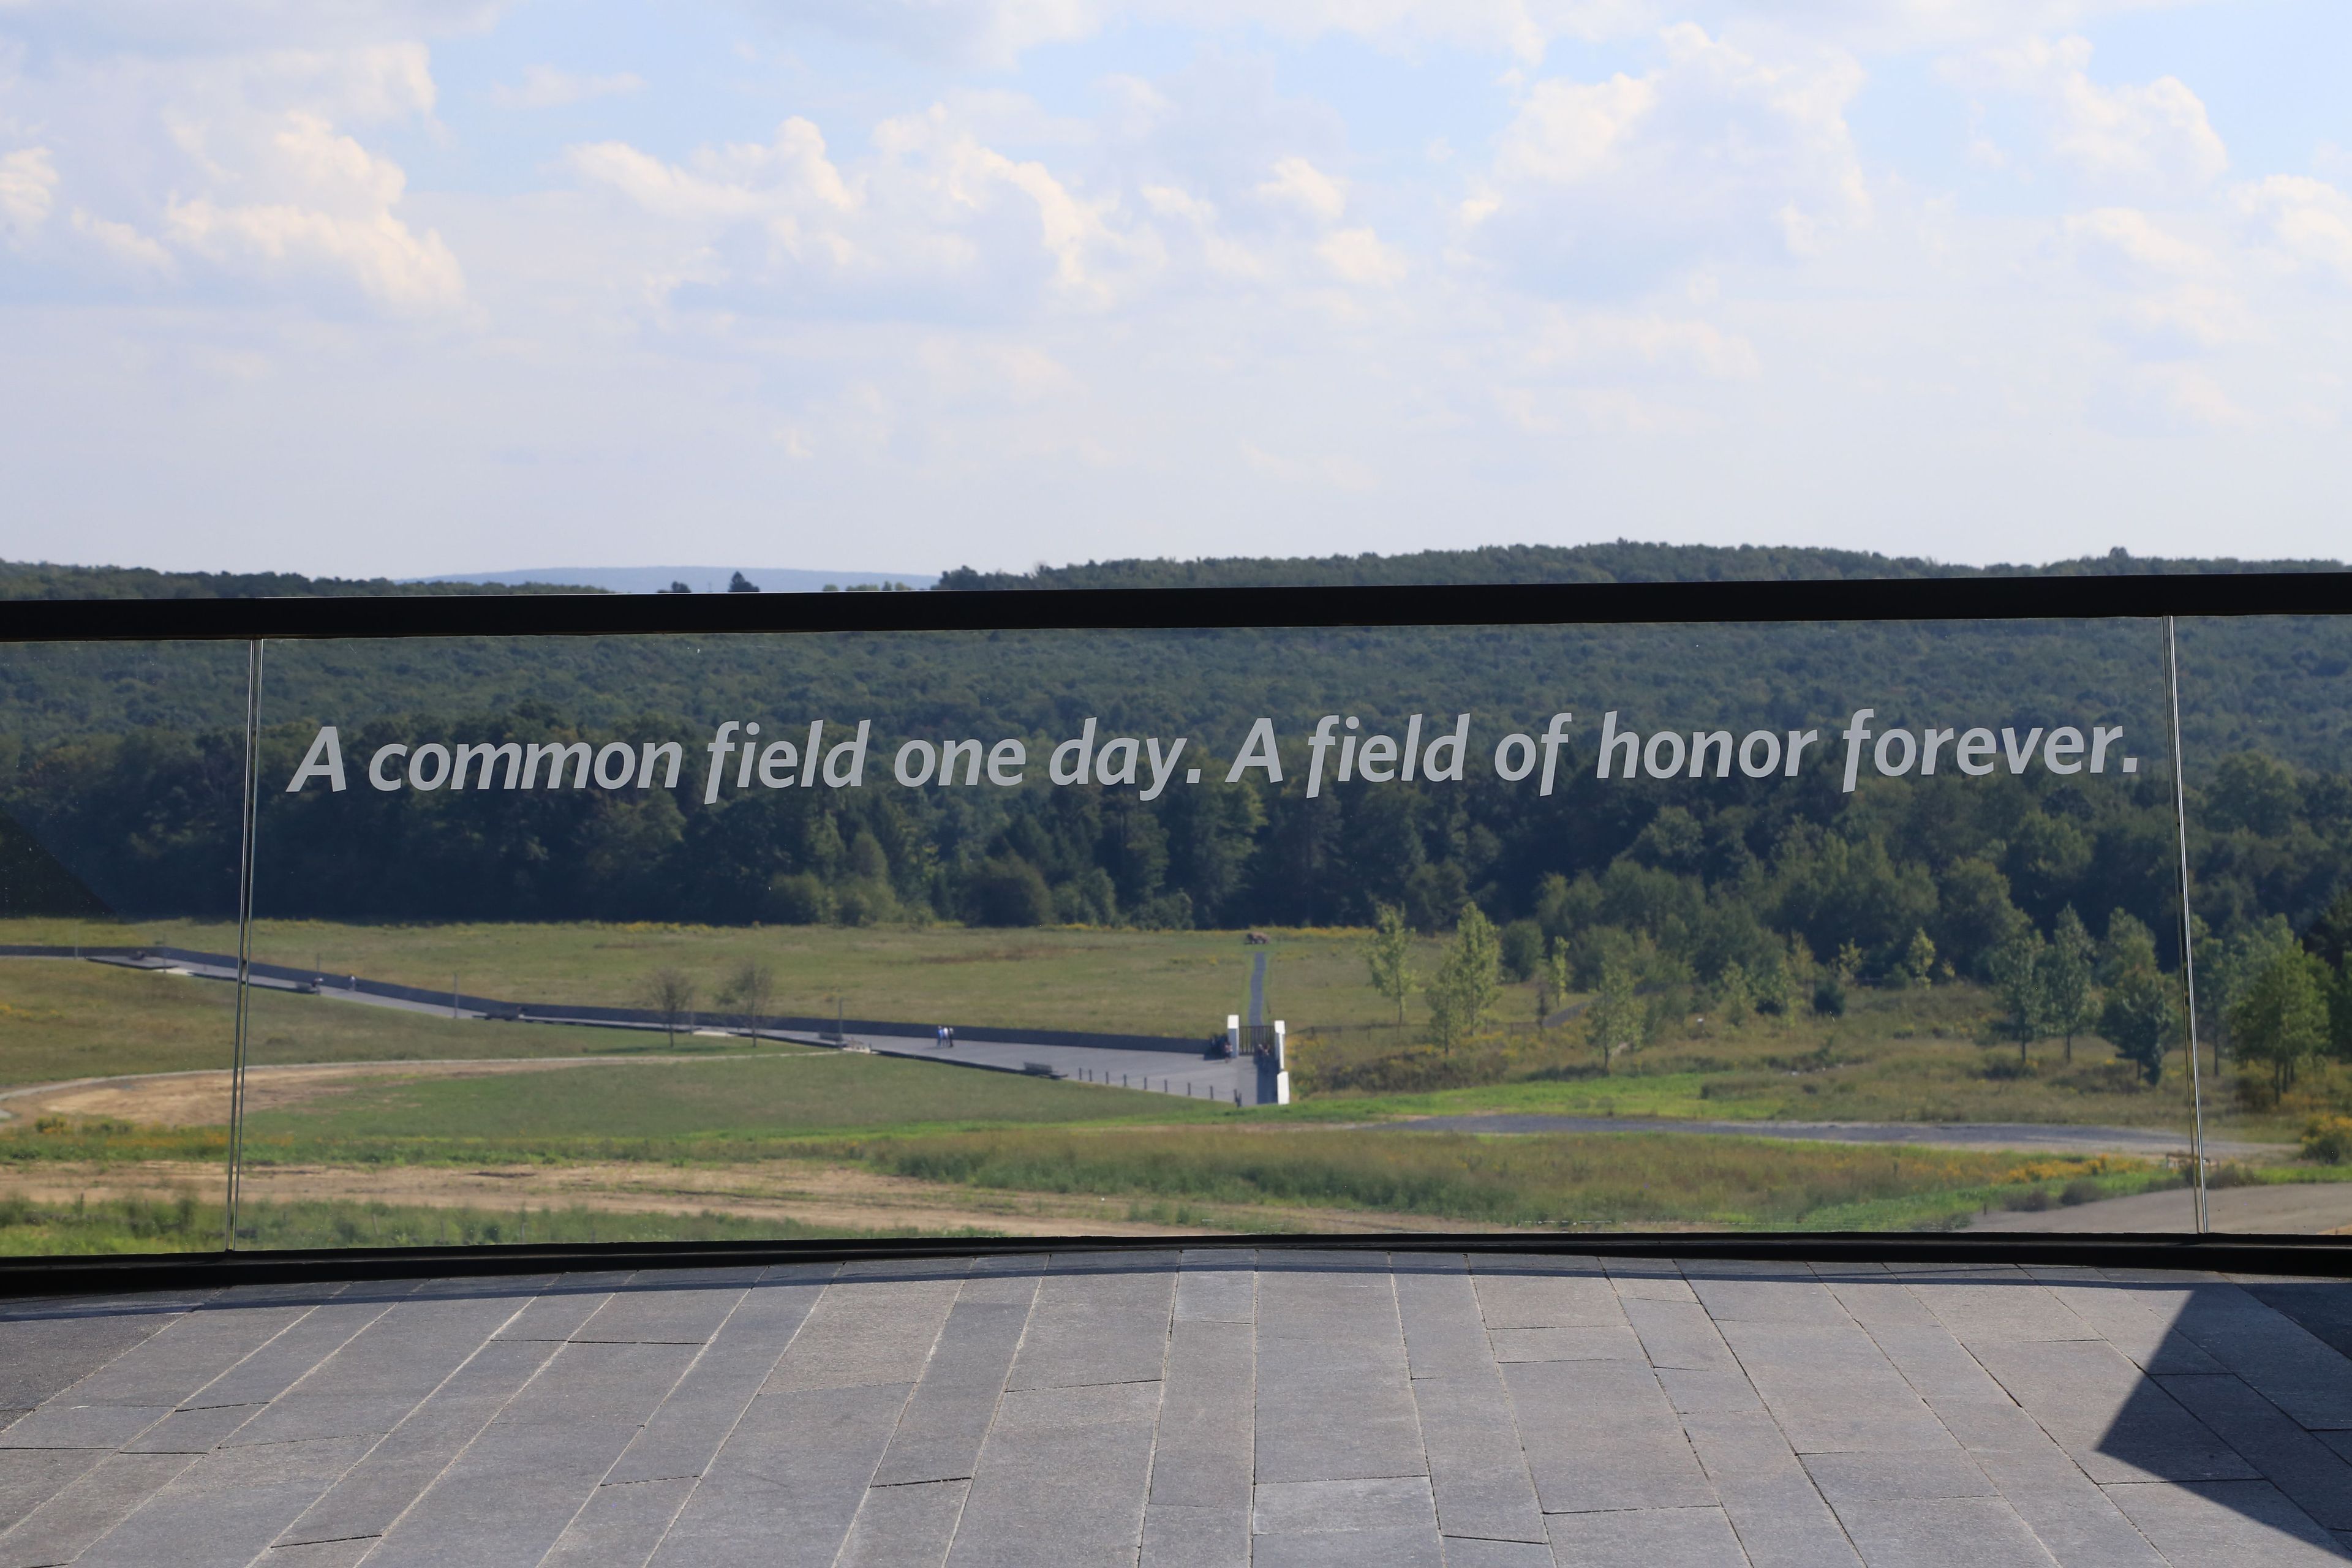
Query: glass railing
(1869, 925)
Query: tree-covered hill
(43, 580)
(1623, 561)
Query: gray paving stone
(557, 1316)
(2246, 1524)
(369, 1385)
(1647, 1280)
(1474, 1551)
(1942, 1532)
(1544, 1293)
(1062, 1478)
(1934, 1363)
(939, 1434)
(1476, 1465)
(1438, 1308)
(1778, 1294)
(95, 1502)
(907, 1526)
(2018, 1308)
(1831, 1389)
(1217, 1284)
(193, 1431)
(1643, 1538)
(507, 1498)
(2309, 1472)
(2324, 1307)
(599, 1384)
(866, 1331)
(805, 1454)
(278, 1365)
(1302, 1507)
(2118, 1424)
(1875, 1299)
(1877, 1478)
(67, 1426)
(316, 1555)
(1094, 1325)
(1178, 1535)
(1607, 1341)
(682, 1436)
(686, 1316)
(1709, 1393)
(2136, 1320)
(40, 1357)
(1600, 1435)
(2285, 1362)
(1678, 1335)
(225, 1507)
(1778, 1514)
(1413, 1548)
(31, 1476)
(181, 1357)
(397, 1470)
(1333, 1400)
(619, 1525)
(1201, 1458)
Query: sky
(401, 287)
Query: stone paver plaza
(1214, 1407)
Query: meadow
(1133, 982)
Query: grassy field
(185, 1225)
(1149, 983)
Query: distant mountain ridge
(700, 579)
(1621, 560)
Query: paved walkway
(1211, 1407)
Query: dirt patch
(832, 1196)
(201, 1099)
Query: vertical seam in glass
(2188, 930)
(247, 822)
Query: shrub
(2081, 1190)
(1523, 949)
(2032, 1200)
(2328, 1140)
(1829, 998)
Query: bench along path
(1205, 1408)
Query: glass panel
(2269, 736)
(574, 951)
(121, 773)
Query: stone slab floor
(1282, 1409)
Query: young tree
(2067, 973)
(1734, 997)
(2281, 1017)
(669, 993)
(2016, 966)
(1387, 954)
(1919, 959)
(1468, 981)
(1554, 987)
(749, 988)
(1615, 1020)
(2141, 1017)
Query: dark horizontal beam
(2325, 1257)
(1516, 604)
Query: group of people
(945, 1032)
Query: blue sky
(412, 286)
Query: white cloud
(1599, 343)
(29, 187)
(1357, 256)
(123, 244)
(1300, 185)
(1715, 151)
(932, 212)
(173, 26)
(2124, 241)
(2166, 400)
(2154, 133)
(2308, 219)
(547, 87)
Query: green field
(1130, 981)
